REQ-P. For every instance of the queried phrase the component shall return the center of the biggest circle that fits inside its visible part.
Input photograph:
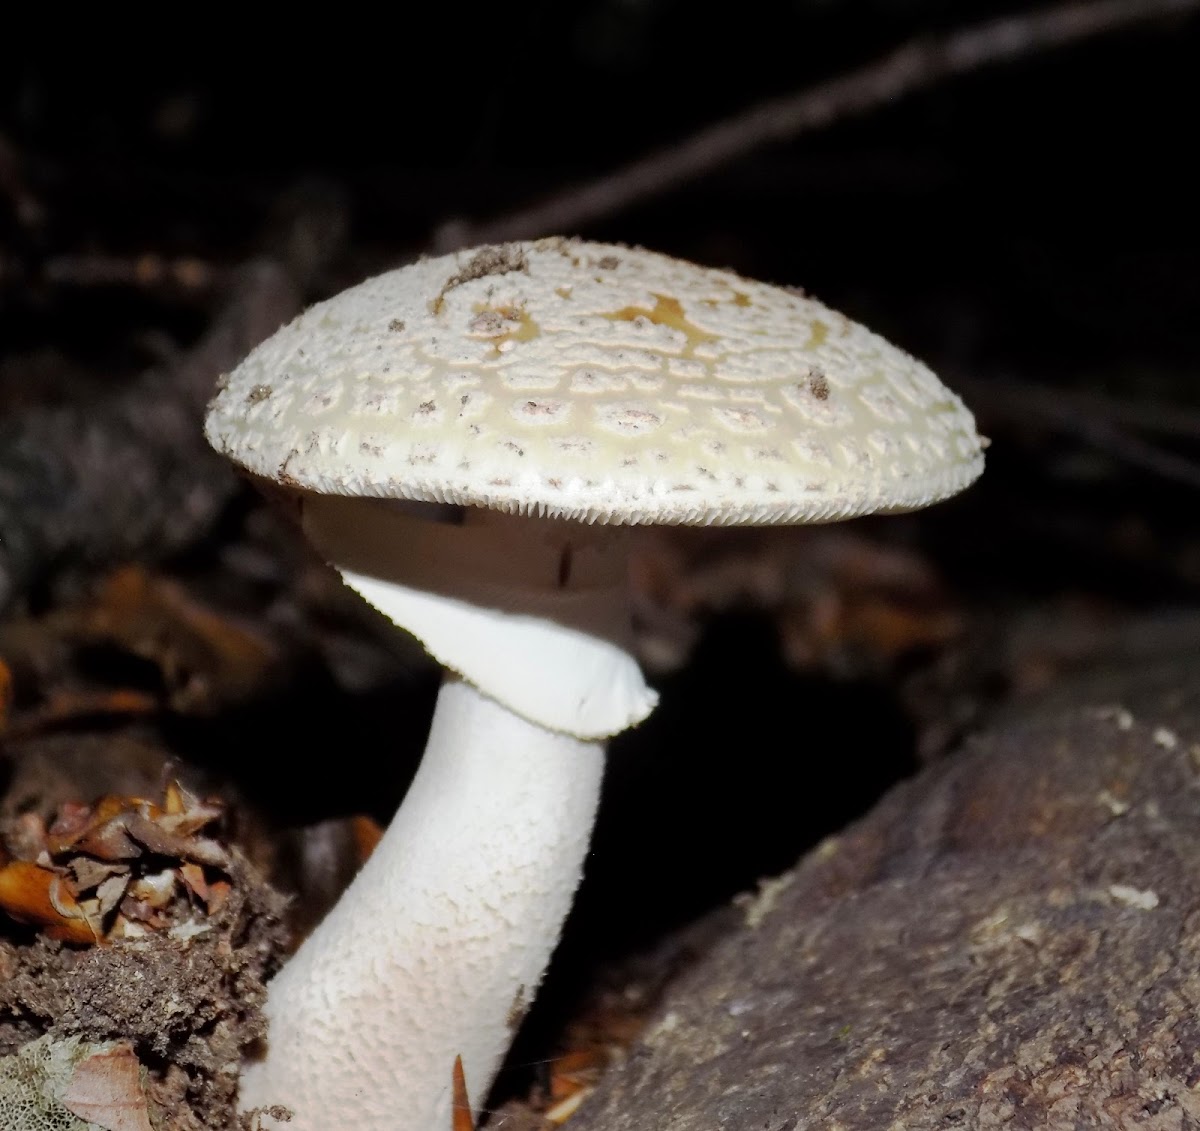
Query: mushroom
(468, 438)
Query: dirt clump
(186, 992)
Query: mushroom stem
(438, 947)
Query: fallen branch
(914, 66)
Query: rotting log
(1010, 939)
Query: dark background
(1039, 212)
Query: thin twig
(1015, 399)
(148, 272)
(1140, 453)
(915, 65)
(1102, 422)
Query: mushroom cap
(594, 382)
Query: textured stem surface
(443, 937)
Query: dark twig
(147, 272)
(1106, 423)
(130, 474)
(918, 64)
(1139, 453)
(1011, 398)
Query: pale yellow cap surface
(595, 382)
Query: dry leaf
(106, 1089)
(218, 893)
(108, 841)
(65, 707)
(156, 889)
(564, 1109)
(463, 1120)
(367, 833)
(86, 873)
(110, 892)
(159, 839)
(195, 881)
(176, 799)
(574, 1071)
(38, 897)
(123, 854)
(206, 659)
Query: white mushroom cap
(595, 382)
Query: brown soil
(190, 1007)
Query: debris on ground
(131, 921)
(70, 1085)
(116, 869)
